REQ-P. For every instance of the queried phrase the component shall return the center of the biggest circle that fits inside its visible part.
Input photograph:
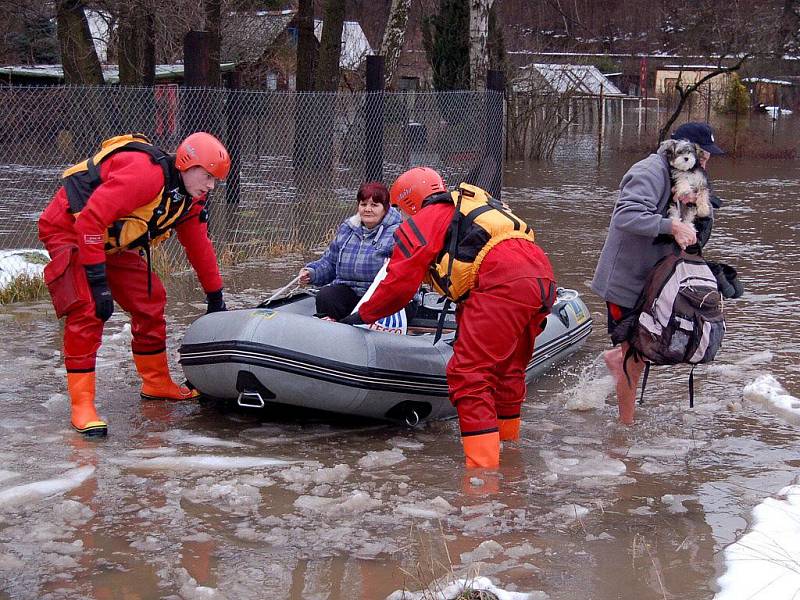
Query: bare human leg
(626, 386)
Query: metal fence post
(233, 114)
(495, 86)
(197, 112)
(373, 119)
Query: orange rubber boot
(482, 450)
(157, 383)
(509, 428)
(84, 416)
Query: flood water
(582, 507)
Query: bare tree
(788, 36)
(213, 14)
(78, 55)
(478, 34)
(136, 46)
(393, 38)
(330, 47)
(539, 113)
(684, 93)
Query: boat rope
(266, 302)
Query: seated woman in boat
(362, 244)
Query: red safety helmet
(202, 149)
(412, 187)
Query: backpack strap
(455, 227)
(644, 381)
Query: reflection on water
(583, 507)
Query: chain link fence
(298, 158)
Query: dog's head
(680, 154)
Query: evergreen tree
(445, 37)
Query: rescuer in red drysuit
(503, 284)
(99, 228)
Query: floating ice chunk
(485, 550)
(666, 448)
(384, 458)
(189, 590)
(75, 547)
(121, 338)
(674, 504)
(591, 464)
(763, 564)
(6, 475)
(649, 467)
(149, 544)
(456, 589)
(400, 442)
(314, 475)
(200, 462)
(572, 511)
(524, 549)
(434, 509)
(56, 400)
(179, 436)
(357, 503)
(33, 492)
(146, 452)
(604, 536)
(767, 391)
(10, 563)
(641, 510)
(235, 497)
(574, 440)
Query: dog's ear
(666, 148)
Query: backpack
(678, 318)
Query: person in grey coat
(630, 250)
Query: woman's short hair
(375, 190)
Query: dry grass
(23, 288)
(167, 261)
(434, 570)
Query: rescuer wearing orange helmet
(474, 250)
(99, 228)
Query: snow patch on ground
(23, 261)
(448, 591)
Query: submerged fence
(298, 158)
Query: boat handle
(248, 399)
(412, 419)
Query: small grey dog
(688, 177)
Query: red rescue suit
(129, 180)
(497, 323)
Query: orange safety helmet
(202, 149)
(411, 189)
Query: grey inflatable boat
(283, 354)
